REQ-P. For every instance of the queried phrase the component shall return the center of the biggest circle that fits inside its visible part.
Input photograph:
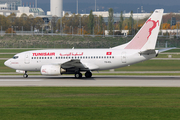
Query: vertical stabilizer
(146, 38)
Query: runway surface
(95, 81)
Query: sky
(118, 5)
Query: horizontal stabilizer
(163, 50)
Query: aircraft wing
(78, 64)
(72, 64)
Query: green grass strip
(89, 103)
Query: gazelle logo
(143, 36)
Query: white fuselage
(94, 59)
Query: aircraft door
(123, 57)
(27, 58)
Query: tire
(25, 76)
(88, 74)
(78, 75)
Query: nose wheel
(25, 75)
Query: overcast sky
(117, 5)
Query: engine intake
(52, 70)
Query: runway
(95, 81)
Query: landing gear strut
(78, 75)
(88, 74)
(25, 75)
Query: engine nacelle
(52, 70)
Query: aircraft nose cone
(7, 63)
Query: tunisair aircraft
(74, 61)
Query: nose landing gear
(25, 75)
(78, 75)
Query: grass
(140, 74)
(153, 65)
(167, 55)
(42, 103)
(14, 50)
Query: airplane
(54, 62)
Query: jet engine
(52, 70)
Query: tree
(110, 21)
(101, 22)
(38, 22)
(4, 22)
(121, 21)
(12, 18)
(91, 22)
(54, 23)
(131, 24)
(26, 22)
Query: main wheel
(88, 74)
(78, 75)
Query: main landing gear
(25, 75)
(88, 74)
(78, 75)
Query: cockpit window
(15, 57)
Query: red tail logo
(142, 37)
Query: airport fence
(163, 41)
(94, 44)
